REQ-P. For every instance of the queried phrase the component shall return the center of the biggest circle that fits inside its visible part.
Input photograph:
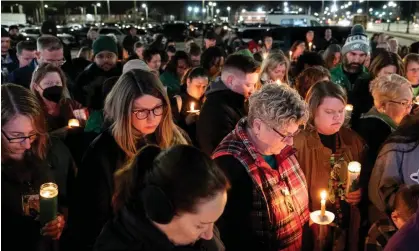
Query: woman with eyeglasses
(393, 97)
(267, 207)
(174, 72)
(29, 158)
(324, 148)
(49, 85)
(139, 112)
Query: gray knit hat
(357, 40)
(135, 64)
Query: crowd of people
(221, 147)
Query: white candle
(265, 55)
(290, 55)
(48, 202)
(349, 108)
(73, 123)
(192, 110)
(323, 196)
(309, 46)
(354, 169)
(278, 82)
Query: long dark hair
(406, 133)
(174, 61)
(184, 173)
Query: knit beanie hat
(357, 40)
(104, 43)
(245, 52)
(135, 64)
(4, 33)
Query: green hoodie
(340, 78)
(171, 82)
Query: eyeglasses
(19, 139)
(405, 104)
(143, 114)
(287, 137)
(55, 62)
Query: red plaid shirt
(280, 197)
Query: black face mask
(53, 93)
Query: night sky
(179, 7)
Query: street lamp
(243, 10)
(196, 9)
(300, 9)
(144, 6)
(228, 10)
(385, 7)
(46, 5)
(259, 9)
(217, 11)
(189, 8)
(359, 11)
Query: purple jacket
(406, 238)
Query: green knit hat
(245, 52)
(104, 43)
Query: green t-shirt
(270, 159)
(415, 91)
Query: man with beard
(15, 36)
(89, 84)
(354, 53)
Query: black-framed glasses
(144, 113)
(287, 137)
(405, 104)
(19, 139)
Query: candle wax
(48, 204)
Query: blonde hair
(386, 88)
(118, 109)
(271, 62)
(318, 92)
(277, 105)
(17, 100)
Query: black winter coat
(22, 231)
(89, 85)
(94, 190)
(219, 115)
(127, 232)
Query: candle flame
(354, 167)
(323, 195)
(73, 123)
(265, 55)
(309, 44)
(192, 106)
(349, 107)
(290, 53)
(278, 82)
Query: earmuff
(157, 205)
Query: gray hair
(48, 42)
(389, 87)
(278, 106)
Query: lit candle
(323, 196)
(278, 82)
(73, 123)
(48, 202)
(417, 100)
(192, 110)
(309, 46)
(349, 108)
(265, 55)
(354, 169)
(290, 55)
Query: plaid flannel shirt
(379, 234)
(280, 197)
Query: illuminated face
(330, 116)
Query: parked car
(32, 33)
(112, 30)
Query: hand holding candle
(48, 202)
(352, 182)
(323, 196)
(73, 123)
(192, 110)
